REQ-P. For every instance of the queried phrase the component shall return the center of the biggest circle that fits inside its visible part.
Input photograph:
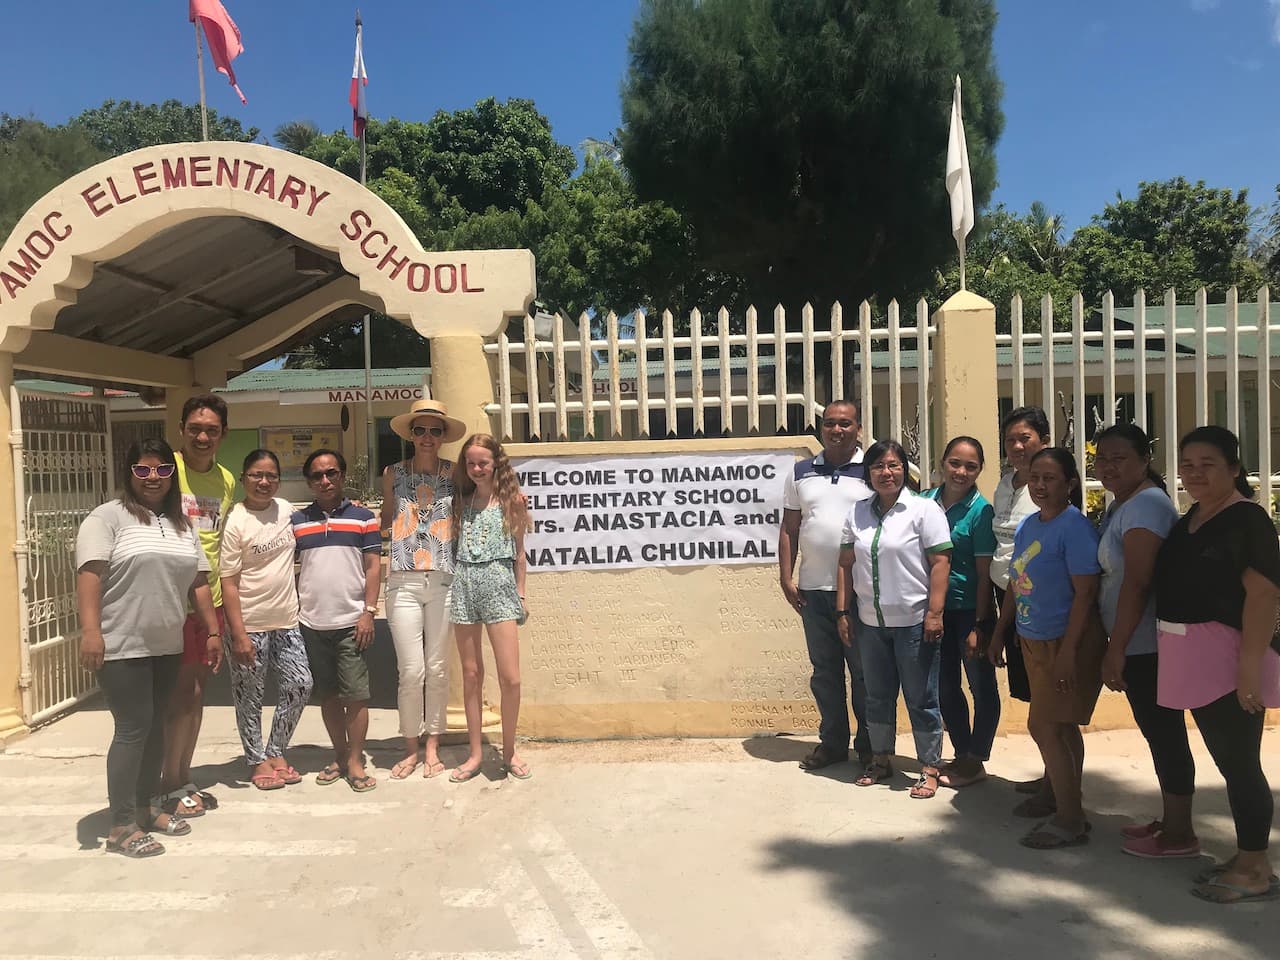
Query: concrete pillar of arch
(11, 713)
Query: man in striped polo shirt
(340, 552)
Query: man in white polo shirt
(816, 499)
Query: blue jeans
(899, 656)
(830, 657)
(981, 675)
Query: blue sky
(1099, 94)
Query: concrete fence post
(966, 384)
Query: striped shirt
(150, 569)
(331, 549)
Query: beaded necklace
(473, 514)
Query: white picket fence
(768, 401)
(1160, 354)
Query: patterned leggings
(284, 651)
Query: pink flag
(359, 80)
(223, 36)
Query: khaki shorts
(1048, 703)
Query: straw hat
(402, 426)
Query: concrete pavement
(636, 850)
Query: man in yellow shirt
(208, 490)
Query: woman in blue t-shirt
(1132, 531)
(1054, 587)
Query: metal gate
(62, 470)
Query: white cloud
(1274, 5)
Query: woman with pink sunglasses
(139, 562)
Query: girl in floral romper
(489, 523)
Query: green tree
(499, 155)
(296, 135)
(1172, 234)
(340, 346)
(805, 143)
(34, 159)
(1010, 254)
(119, 126)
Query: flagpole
(204, 110)
(371, 437)
(962, 283)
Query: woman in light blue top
(489, 520)
(1133, 528)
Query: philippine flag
(359, 80)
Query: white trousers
(418, 614)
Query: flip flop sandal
(330, 774)
(875, 773)
(406, 768)
(1235, 894)
(138, 848)
(922, 790)
(267, 781)
(432, 770)
(176, 827)
(507, 768)
(208, 799)
(1218, 869)
(459, 775)
(821, 757)
(179, 803)
(362, 784)
(1058, 837)
(289, 775)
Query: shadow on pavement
(970, 889)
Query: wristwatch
(369, 609)
(843, 613)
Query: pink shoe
(1140, 831)
(1155, 848)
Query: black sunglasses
(143, 472)
(423, 431)
(331, 475)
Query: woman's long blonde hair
(515, 513)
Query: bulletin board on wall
(294, 444)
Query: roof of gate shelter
(182, 263)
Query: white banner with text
(643, 510)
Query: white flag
(959, 184)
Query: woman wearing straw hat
(415, 508)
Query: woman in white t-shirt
(138, 564)
(260, 599)
(1024, 432)
(895, 558)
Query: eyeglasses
(195, 430)
(257, 477)
(884, 467)
(423, 431)
(331, 475)
(145, 471)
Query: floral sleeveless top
(420, 535)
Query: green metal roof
(322, 379)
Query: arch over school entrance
(170, 267)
